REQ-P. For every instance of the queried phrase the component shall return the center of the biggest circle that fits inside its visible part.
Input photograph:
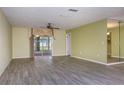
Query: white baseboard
(117, 57)
(19, 57)
(98, 62)
(116, 63)
(90, 60)
(57, 55)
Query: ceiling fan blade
(42, 27)
(56, 28)
(49, 24)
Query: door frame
(68, 44)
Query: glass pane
(42, 45)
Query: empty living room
(61, 45)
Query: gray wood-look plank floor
(60, 71)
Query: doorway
(115, 48)
(42, 46)
(68, 44)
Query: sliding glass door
(43, 46)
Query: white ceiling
(59, 16)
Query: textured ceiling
(59, 16)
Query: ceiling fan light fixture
(73, 10)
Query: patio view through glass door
(42, 46)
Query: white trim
(98, 62)
(20, 57)
(114, 63)
(58, 55)
(52, 41)
(90, 60)
(117, 57)
(67, 43)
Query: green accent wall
(90, 41)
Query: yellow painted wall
(122, 41)
(5, 43)
(90, 41)
(59, 44)
(20, 42)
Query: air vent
(73, 10)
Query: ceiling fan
(49, 26)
